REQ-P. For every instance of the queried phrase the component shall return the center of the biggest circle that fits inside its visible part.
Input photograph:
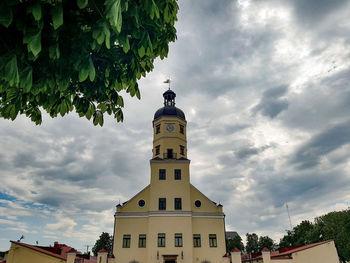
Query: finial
(167, 81)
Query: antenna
(290, 221)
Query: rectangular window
(212, 240)
(162, 204)
(157, 149)
(196, 240)
(177, 174)
(142, 240)
(161, 240)
(182, 150)
(158, 129)
(162, 174)
(178, 240)
(181, 129)
(126, 241)
(177, 204)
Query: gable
(207, 205)
(132, 205)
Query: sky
(265, 89)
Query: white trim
(168, 214)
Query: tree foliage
(252, 243)
(235, 242)
(334, 225)
(105, 241)
(65, 55)
(266, 241)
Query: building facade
(169, 220)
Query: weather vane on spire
(167, 81)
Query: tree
(62, 55)
(252, 245)
(236, 241)
(299, 236)
(266, 241)
(105, 241)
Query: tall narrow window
(181, 129)
(161, 240)
(182, 150)
(162, 204)
(158, 129)
(212, 240)
(196, 240)
(157, 149)
(177, 204)
(170, 154)
(178, 240)
(126, 241)
(162, 174)
(177, 174)
(142, 240)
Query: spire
(169, 98)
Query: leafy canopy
(65, 55)
(105, 241)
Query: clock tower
(169, 221)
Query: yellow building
(321, 252)
(170, 220)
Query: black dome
(169, 111)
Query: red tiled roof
(235, 250)
(265, 249)
(227, 255)
(289, 252)
(71, 250)
(102, 251)
(40, 250)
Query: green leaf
(92, 71)
(6, 15)
(26, 79)
(83, 74)
(35, 44)
(36, 11)
(11, 71)
(57, 16)
(82, 3)
(120, 101)
(126, 45)
(141, 51)
(114, 13)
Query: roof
(63, 257)
(235, 250)
(102, 251)
(297, 249)
(169, 111)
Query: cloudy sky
(265, 89)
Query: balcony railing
(169, 155)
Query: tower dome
(169, 108)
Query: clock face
(170, 127)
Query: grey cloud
(271, 104)
(309, 154)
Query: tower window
(178, 240)
(162, 174)
(177, 204)
(196, 240)
(161, 240)
(177, 174)
(126, 241)
(212, 240)
(158, 129)
(182, 150)
(142, 240)
(181, 129)
(157, 149)
(162, 204)
(170, 154)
